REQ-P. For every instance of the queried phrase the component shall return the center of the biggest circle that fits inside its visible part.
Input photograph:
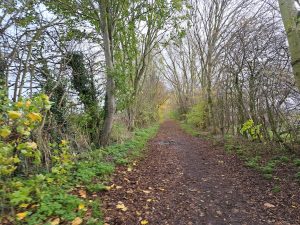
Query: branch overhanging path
(186, 180)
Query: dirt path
(185, 180)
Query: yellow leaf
(81, 206)
(77, 221)
(108, 188)
(64, 142)
(14, 114)
(23, 205)
(55, 221)
(146, 192)
(31, 145)
(34, 117)
(121, 206)
(27, 104)
(118, 187)
(45, 97)
(129, 169)
(144, 222)
(5, 132)
(22, 215)
(149, 200)
(19, 104)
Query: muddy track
(185, 180)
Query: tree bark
(289, 16)
(110, 105)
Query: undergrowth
(262, 157)
(62, 195)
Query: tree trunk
(110, 105)
(289, 16)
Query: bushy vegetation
(32, 195)
(197, 115)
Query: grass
(49, 196)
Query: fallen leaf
(268, 205)
(55, 221)
(77, 221)
(138, 213)
(129, 191)
(118, 187)
(129, 169)
(22, 215)
(146, 192)
(34, 206)
(121, 206)
(81, 206)
(149, 200)
(82, 193)
(144, 222)
(108, 188)
(23, 205)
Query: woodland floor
(186, 180)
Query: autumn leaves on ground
(186, 180)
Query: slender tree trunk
(3, 79)
(110, 105)
(291, 23)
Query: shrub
(18, 122)
(251, 130)
(197, 116)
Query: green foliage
(44, 196)
(253, 162)
(55, 203)
(297, 162)
(297, 175)
(197, 115)
(87, 170)
(252, 130)
(276, 189)
(96, 187)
